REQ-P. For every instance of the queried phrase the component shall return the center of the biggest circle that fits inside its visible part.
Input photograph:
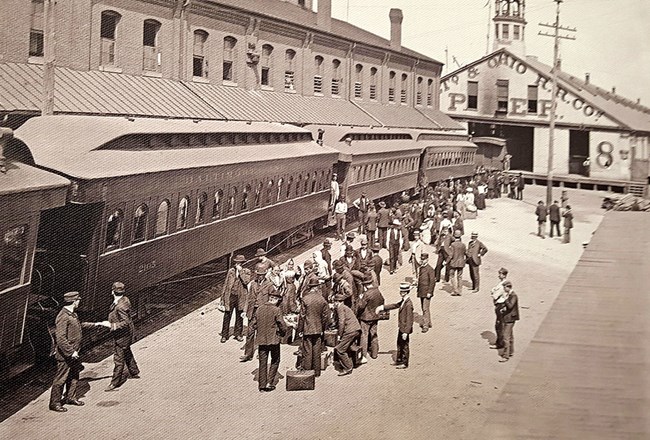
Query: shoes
(223, 339)
(245, 359)
(475, 291)
(363, 361)
(111, 387)
(394, 364)
(345, 372)
(496, 347)
(401, 367)
(239, 338)
(270, 388)
(503, 359)
(75, 402)
(455, 294)
(135, 376)
(57, 408)
(392, 272)
(425, 329)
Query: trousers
(426, 312)
(227, 317)
(311, 349)
(67, 376)
(508, 339)
(342, 348)
(369, 338)
(124, 363)
(403, 351)
(456, 276)
(266, 375)
(474, 275)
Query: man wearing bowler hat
(475, 251)
(263, 259)
(270, 327)
(258, 293)
(122, 329)
(383, 223)
(233, 298)
(426, 286)
(456, 262)
(369, 300)
(68, 344)
(394, 243)
(377, 263)
(405, 324)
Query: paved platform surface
(194, 387)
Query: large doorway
(519, 142)
(579, 152)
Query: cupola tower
(509, 26)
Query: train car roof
(21, 178)
(80, 146)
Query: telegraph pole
(49, 49)
(551, 131)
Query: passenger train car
(142, 200)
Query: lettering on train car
(144, 267)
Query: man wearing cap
(362, 204)
(456, 262)
(555, 217)
(122, 330)
(369, 300)
(313, 320)
(264, 260)
(348, 330)
(568, 224)
(377, 263)
(258, 293)
(394, 243)
(521, 184)
(349, 259)
(326, 254)
(383, 223)
(416, 249)
(68, 344)
(426, 285)
(349, 241)
(270, 328)
(233, 298)
(334, 191)
(405, 324)
(340, 213)
(475, 251)
(509, 315)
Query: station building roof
(80, 146)
(21, 178)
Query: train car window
(244, 198)
(162, 218)
(201, 201)
(298, 182)
(114, 229)
(269, 192)
(279, 192)
(232, 200)
(289, 183)
(12, 255)
(140, 222)
(323, 182)
(381, 171)
(183, 207)
(216, 206)
(258, 194)
(306, 190)
(314, 179)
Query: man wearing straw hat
(405, 324)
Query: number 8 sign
(605, 158)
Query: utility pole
(487, 38)
(49, 49)
(556, 57)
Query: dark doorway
(578, 152)
(519, 142)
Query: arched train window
(140, 223)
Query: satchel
(384, 315)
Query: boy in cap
(270, 327)
(68, 344)
(233, 298)
(405, 324)
(348, 331)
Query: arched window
(258, 194)
(279, 193)
(140, 223)
(391, 86)
(323, 181)
(430, 92)
(114, 228)
(229, 44)
(232, 200)
(289, 183)
(318, 74)
(289, 69)
(269, 192)
(358, 81)
(162, 218)
(152, 58)
(298, 183)
(244, 198)
(108, 30)
(314, 178)
(404, 91)
(418, 94)
(181, 219)
(306, 188)
(216, 206)
(336, 77)
(265, 65)
(201, 201)
(373, 83)
(199, 62)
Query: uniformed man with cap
(313, 320)
(258, 293)
(348, 331)
(68, 344)
(405, 324)
(122, 330)
(233, 298)
(456, 262)
(270, 327)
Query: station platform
(194, 387)
(583, 182)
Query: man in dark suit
(456, 262)
(350, 259)
(509, 315)
(312, 322)
(327, 254)
(68, 344)
(258, 293)
(521, 184)
(364, 254)
(383, 222)
(369, 300)
(426, 285)
(233, 298)
(443, 244)
(405, 324)
(394, 243)
(270, 328)
(122, 330)
(362, 204)
(475, 251)
(541, 213)
(554, 217)
(568, 224)
(349, 330)
(377, 262)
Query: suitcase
(330, 338)
(355, 354)
(301, 380)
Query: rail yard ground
(194, 387)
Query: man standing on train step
(233, 298)
(405, 324)
(475, 251)
(122, 329)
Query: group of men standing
(554, 215)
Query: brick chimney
(396, 18)
(324, 15)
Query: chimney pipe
(613, 90)
(396, 18)
(587, 77)
(324, 15)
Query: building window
(336, 77)
(13, 250)
(391, 86)
(532, 99)
(216, 206)
(114, 228)
(373, 83)
(181, 219)
(201, 201)
(430, 92)
(404, 91)
(199, 63)
(36, 43)
(515, 32)
(140, 223)
(318, 74)
(162, 218)
(289, 72)
(472, 95)
(418, 94)
(358, 81)
(496, 30)
(151, 55)
(228, 58)
(505, 31)
(265, 63)
(108, 29)
(502, 95)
